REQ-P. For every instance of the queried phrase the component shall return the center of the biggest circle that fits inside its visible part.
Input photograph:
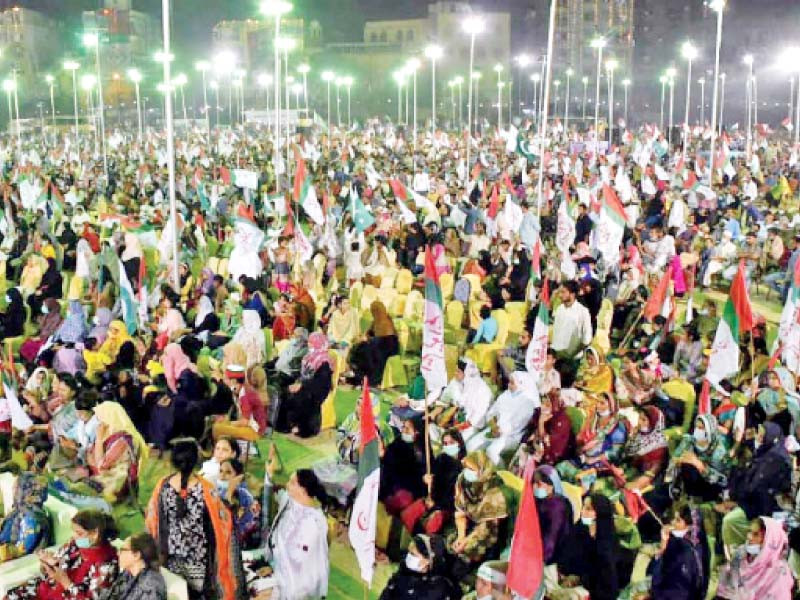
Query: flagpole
(165, 17)
(545, 104)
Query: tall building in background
(29, 41)
(130, 37)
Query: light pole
(433, 53)
(473, 25)
(536, 78)
(400, 79)
(476, 77)
(557, 84)
(702, 82)
(626, 83)
(8, 88)
(92, 40)
(214, 85)
(689, 52)
(452, 84)
(722, 78)
(569, 73)
(791, 97)
(412, 66)
(339, 83)
(276, 9)
(224, 64)
(304, 70)
(51, 82)
(71, 65)
(585, 82)
(88, 81)
(611, 66)
(747, 59)
(545, 101)
(663, 81)
(718, 6)
(498, 68)
(348, 82)
(523, 60)
(136, 77)
(297, 89)
(180, 81)
(672, 72)
(459, 81)
(203, 66)
(166, 79)
(264, 82)
(790, 61)
(327, 77)
(598, 44)
(287, 44)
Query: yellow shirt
(96, 363)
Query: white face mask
(680, 533)
(587, 521)
(603, 413)
(451, 450)
(753, 549)
(470, 476)
(414, 563)
(407, 437)
(700, 435)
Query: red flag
(476, 170)
(508, 184)
(526, 563)
(142, 275)
(536, 260)
(299, 177)
(494, 203)
(691, 180)
(635, 504)
(546, 293)
(289, 229)
(655, 303)
(225, 175)
(704, 405)
(741, 300)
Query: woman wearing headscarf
(116, 339)
(755, 488)
(304, 306)
(682, 569)
(403, 467)
(646, 448)
(422, 574)
(507, 418)
(169, 327)
(300, 411)
(775, 402)
(555, 512)
(83, 265)
(604, 433)
(285, 368)
(595, 376)
(207, 283)
(758, 569)
(205, 321)
(32, 274)
(465, 400)
(49, 322)
(553, 435)
(181, 409)
(74, 328)
(588, 560)
(49, 287)
(369, 357)
(250, 337)
(100, 323)
(480, 510)
(131, 257)
(12, 320)
(700, 465)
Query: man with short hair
(572, 324)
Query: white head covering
(251, 338)
(204, 308)
(476, 395)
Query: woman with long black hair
(194, 529)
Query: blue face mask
(83, 543)
(222, 486)
(540, 493)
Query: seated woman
(182, 409)
(552, 439)
(169, 327)
(588, 561)
(486, 331)
(343, 325)
(480, 510)
(402, 468)
(284, 369)
(555, 512)
(285, 320)
(507, 418)
(464, 401)
(646, 449)
(140, 576)
(36, 392)
(368, 357)
(682, 569)
(206, 322)
(248, 417)
(12, 320)
(423, 573)
(82, 568)
(297, 546)
(432, 513)
(100, 324)
(250, 337)
(31, 275)
(300, 410)
(113, 458)
(49, 287)
(595, 375)
(775, 402)
(74, 328)
(224, 448)
(26, 527)
(118, 344)
(245, 509)
(758, 569)
(48, 324)
(700, 465)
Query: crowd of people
(579, 310)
